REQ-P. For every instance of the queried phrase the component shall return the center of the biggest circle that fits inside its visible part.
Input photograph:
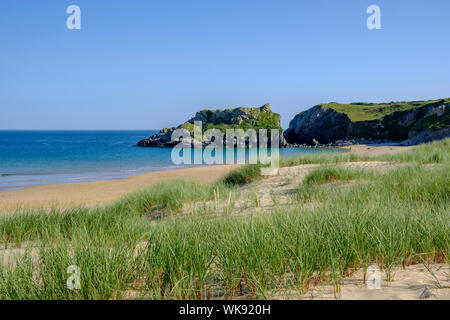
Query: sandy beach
(377, 149)
(89, 193)
(95, 192)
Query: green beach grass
(435, 152)
(343, 219)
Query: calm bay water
(29, 158)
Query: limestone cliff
(418, 121)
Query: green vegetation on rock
(434, 122)
(239, 118)
(222, 120)
(417, 121)
(360, 111)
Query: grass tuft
(245, 174)
(329, 174)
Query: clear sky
(151, 64)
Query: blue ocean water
(29, 158)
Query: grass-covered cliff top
(238, 118)
(263, 121)
(361, 111)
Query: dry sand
(377, 149)
(415, 282)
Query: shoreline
(104, 191)
(88, 176)
(25, 173)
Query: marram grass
(429, 153)
(344, 219)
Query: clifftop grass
(361, 111)
(263, 120)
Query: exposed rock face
(317, 123)
(325, 125)
(232, 116)
(160, 140)
(238, 118)
(428, 136)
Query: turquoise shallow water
(29, 158)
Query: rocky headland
(331, 124)
(342, 124)
(238, 118)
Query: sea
(31, 158)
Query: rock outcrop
(317, 125)
(160, 140)
(421, 122)
(238, 118)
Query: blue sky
(151, 64)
